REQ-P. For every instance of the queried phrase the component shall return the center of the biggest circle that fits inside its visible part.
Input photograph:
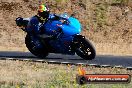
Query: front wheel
(37, 51)
(85, 49)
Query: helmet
(43, 11)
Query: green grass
(121, 2)
(27, 74)
(100, 16)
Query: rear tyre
(85, 49)
(39, 52)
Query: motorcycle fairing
(63, 42)
(62, 45)
(72, 28)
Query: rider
(34, 23)
(41, 17)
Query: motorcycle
(61, 36)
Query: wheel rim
(85, 50)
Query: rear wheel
(85, 49)
(40, 52)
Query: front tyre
(39, 52)
(85, 49)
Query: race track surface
(100, 60)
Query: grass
(27, 74)
(100, 15)
(122, 2)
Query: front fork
(75, 43)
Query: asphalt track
(100, 60)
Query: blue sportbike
(60, 36)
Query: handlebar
(63, 20)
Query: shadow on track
(18, 54)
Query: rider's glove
(19, 21)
